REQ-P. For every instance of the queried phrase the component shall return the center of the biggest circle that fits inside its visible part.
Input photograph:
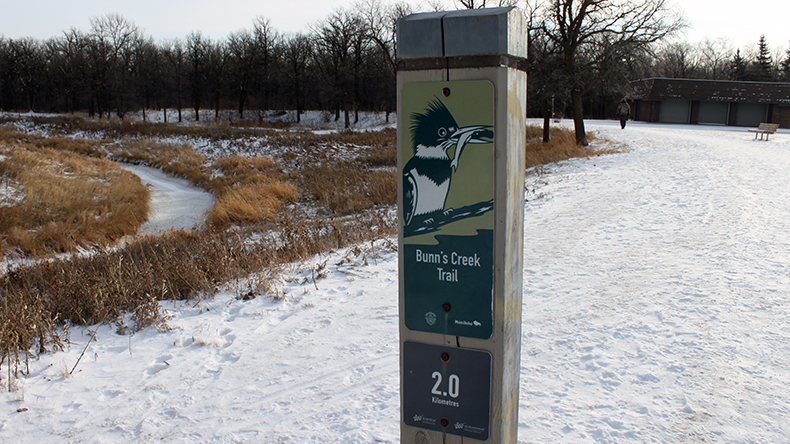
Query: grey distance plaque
(447, 389)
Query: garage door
(674, 111)
(751, 114)
(713, 113)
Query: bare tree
(148, 66)
(196, 56)
(216, 64)
(586, 31)
(175, 56)
(117, 39)
(714, 57)
(380, 24)
(74, 49)
(334, 40)
(242, 53)
(297, 53)
(267, 47)
(21, 64)
(547, 87)
(678, 60)
(477, 4)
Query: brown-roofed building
(711, 102)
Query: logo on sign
(430, 318)
(474, 323)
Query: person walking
(623, 112)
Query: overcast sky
(742, 22)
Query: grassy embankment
(329, 177)
(55, 200)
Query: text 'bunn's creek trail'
(454, 259)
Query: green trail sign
(448, 207)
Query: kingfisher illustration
(427, 175)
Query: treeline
(345, 63)
(718, 60)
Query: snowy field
(656, 310)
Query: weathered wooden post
(461, 131)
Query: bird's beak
(470, 134)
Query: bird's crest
(433, 126)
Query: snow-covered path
(657, 292)
(656, 310)
(175, 203)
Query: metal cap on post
(424, 38)
(461, 130)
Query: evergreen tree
(738, 67)
(764, 63)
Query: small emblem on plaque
(430, 318)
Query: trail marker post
(461, 131)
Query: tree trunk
(578, 117)
(546, 121)
(298, 96)
(216, 106)
(242, 99)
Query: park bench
(764, 128)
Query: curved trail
(175, 203)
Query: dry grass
(343, 188)
(250, 204)
(562, 146)
(66, 201)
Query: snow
(655, 310)
(321, 122)
(9, 190)
(10, 194)
(175, 203)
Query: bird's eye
(442, 132)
